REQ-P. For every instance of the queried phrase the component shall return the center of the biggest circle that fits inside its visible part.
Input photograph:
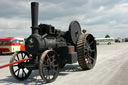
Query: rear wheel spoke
(92, 50)
(91, 42)
(92, 59)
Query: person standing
(84, 31)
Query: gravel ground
(111, 69)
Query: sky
(98, 17)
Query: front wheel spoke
(24, 55)
(18, 57)
(48, 76)
(52, 62)
(48, 58)
(15, 60)
(55, 66)
(53, 57)
(18, 72)
(45, 66)
(53, 72)
(15, 65)
(24, 72)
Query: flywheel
(74, 32)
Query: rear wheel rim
(90, 51)
(86, 50)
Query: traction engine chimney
(34, 16)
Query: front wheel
(19, 71)
(48, 66)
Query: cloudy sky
(99, 17)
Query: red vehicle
(11, 45)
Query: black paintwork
(45, 37)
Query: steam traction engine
(49, 49)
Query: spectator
(84, 31)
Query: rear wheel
(48, 66)
(87, 51)
(19, 71)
